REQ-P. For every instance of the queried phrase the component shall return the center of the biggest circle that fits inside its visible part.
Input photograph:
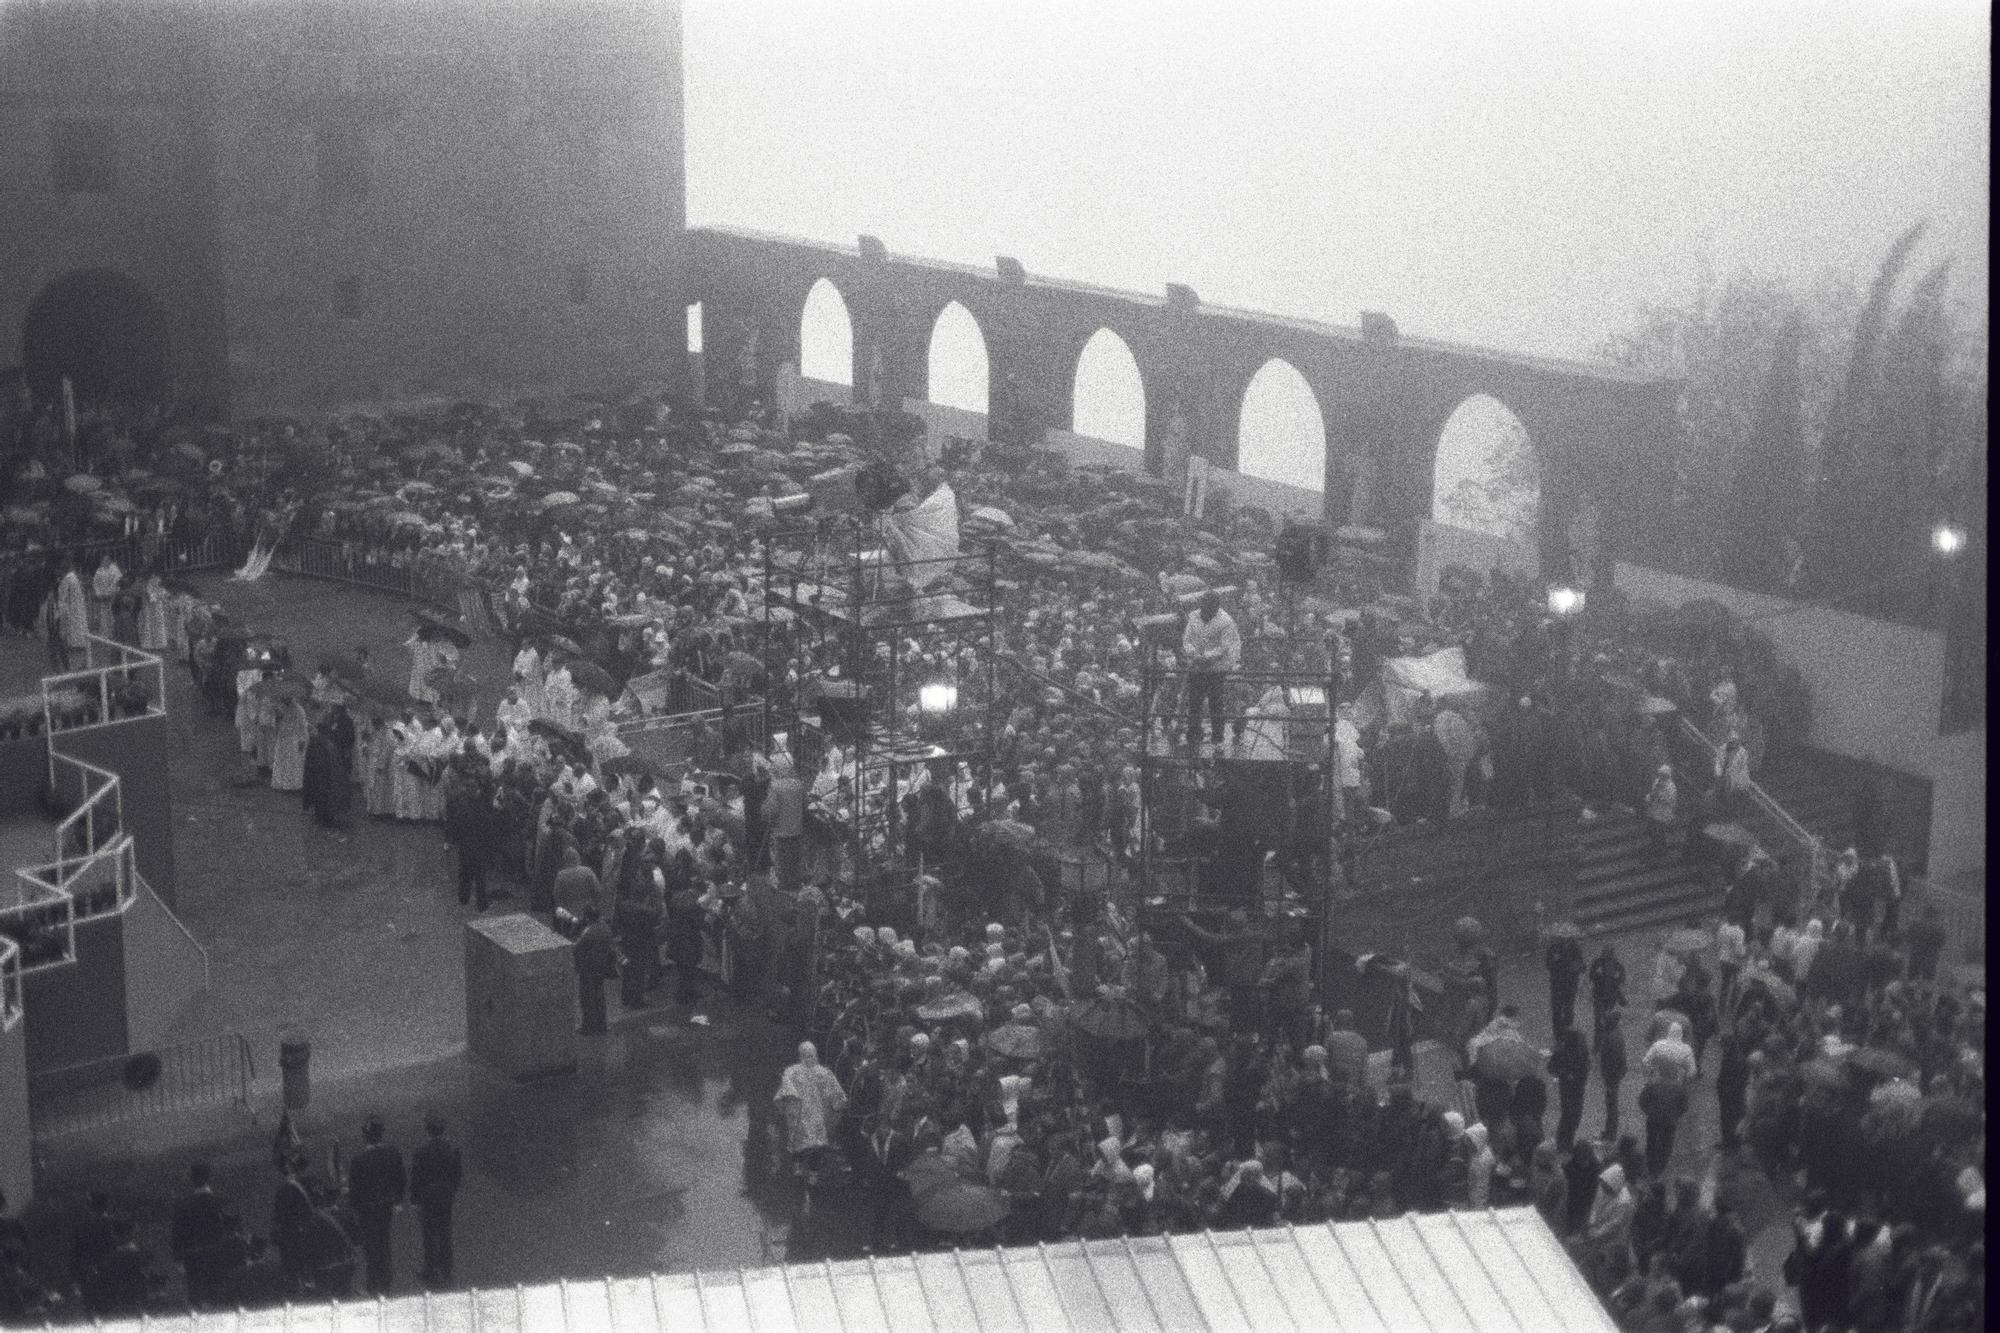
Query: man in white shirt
(1212, 648)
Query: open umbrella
(557, 499)
(1016, 1041)
(1110, 1019)
(1770, 983)
(1563, 930)
(521, 469)
(1507, 1059)
(930, 1172)
(444, 625)
(83, 483)
(1881, 1063)
(1683, 940)
(1467, 930)
(624, 764)
(961, 1209)
(944, 1008)
(593, 679)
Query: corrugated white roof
(1502, 1271)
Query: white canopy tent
(1503, 1271)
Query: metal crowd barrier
(119, 1089)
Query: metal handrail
(1806, 840)
(108, 790)
(123, 1088)
(39, 911)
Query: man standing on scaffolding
(1212, 648)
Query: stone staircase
(1624, 883)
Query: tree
(1718, 342)
(1837, 552)
(1770, 484)
(1914, 412)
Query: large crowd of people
(989, 1056)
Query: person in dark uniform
(435, 1173)
(291, 1213)
(122, 1283)
(376, 1186)
(93, 1237)
(197, 1231)
(596, 958)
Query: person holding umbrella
(1569, 1065)
(1611, 1064)
(1564, 959)
(1607, 983)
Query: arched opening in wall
(1281, 434)
(694, 329)
(1108, 399)
(957, 361)
(102, 332)
(1486, 478)
(826, 337)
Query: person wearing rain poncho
(1669, 1068)
(811, 1100)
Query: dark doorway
(101, 330)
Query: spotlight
(937, 698)
(1947, 539)
(1565, 601)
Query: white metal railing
(1802, 838)
(10, 983)
(81, 833)
(108, 689)
(40, 919)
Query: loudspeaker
(843, 710)
(1300, 553)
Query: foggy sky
(1510, 174)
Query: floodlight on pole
(1947, 539)
(1565, 601)
(937, 698)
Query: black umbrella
(1110, 1019)
(593, 679)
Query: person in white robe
(559, 698)
(269, 707)
(72, 612)
(434, 747)
(423, 656)
(288, 749)
(383, 765)
(247, 682)
(154, 635)
(407, 739)
(513, 715)
(528, 675)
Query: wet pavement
(636, 1162)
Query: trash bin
(295, 1066)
